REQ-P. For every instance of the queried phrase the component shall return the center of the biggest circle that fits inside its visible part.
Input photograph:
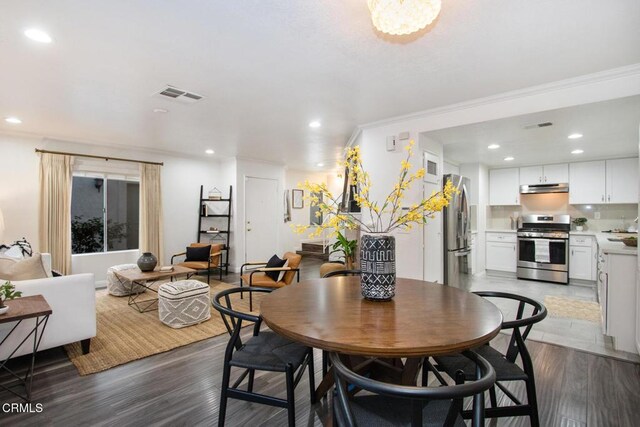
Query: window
(104, 213)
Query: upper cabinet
(622, 181)
(587, 183)
(531, 175)
(556, 174)
(610, 181)
(504, 188)
(590, 183)
(548, 174)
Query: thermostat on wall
(392, 143)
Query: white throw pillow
(282, 273)
(14, 252)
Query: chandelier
(400, 17)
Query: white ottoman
(120, 287)
(183, 303)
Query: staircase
(314, 249)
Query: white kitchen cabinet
(547, 174)
(587, 183)
(531, 175)
(504, 188)
(617, 296)
(501, 255)
(580, 262)
(556, 174)
(622, 181)
(582, 268)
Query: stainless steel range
(543, 248)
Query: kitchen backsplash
(611, 216)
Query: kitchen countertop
(493, 230)
(618, 248)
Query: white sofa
(73, 302)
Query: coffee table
(26, 308)
(136, 279)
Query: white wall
(181, 180)
(450, 168)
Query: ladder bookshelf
(219, 235)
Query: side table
(32, 307)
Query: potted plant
(346, 247)
(377, 219)
(579, 223)
(7, 291)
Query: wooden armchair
(213, 263)
(257, 276)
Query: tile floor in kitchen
(579, 334)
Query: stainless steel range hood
(544, 188)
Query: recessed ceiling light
(578, 151)
(13, 120)
(38, 35)
(160, 110)
(315, 124)
(209, 151)
(508, 159)
(575, 136)
(320, 165)
(493, 146)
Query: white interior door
(261, 218)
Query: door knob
(248, 229)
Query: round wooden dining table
(423, 319)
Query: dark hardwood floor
(182, 388)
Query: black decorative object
(378, 265)
(198, 253)
(147, 262)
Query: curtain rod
(99, 157)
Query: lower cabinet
(502, 256)
(582, 257)
(580, 262)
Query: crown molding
(584, 80)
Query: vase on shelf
(147, 262)
(378, 265)
(4, 309)
(579, 228)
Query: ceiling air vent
(539, 125)
(182, 96)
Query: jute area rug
(125, 335)
(572, 308)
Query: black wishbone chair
(400, 405)
(505, 364)
(263, 351)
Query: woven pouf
(183, 303)
(120, 287)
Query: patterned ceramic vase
(378, 265)
(147, 262)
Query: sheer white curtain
(151, 234)
(55, 209)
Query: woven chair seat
(505, 370)
(383, 411)
(269, 352)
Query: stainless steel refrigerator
(457, 235)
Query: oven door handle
(542, 238)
